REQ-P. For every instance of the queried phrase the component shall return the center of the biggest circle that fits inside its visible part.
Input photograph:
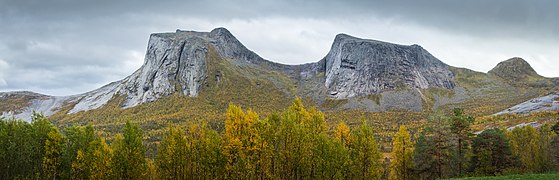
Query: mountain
(517, 71)
(514, 69)
(188, 74)
(357, 67)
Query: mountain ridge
(177, 62)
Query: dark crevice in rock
(181, 48)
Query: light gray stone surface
(359, 67)
(544, 103)
(173, 60)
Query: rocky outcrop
(545, 103)
(359, 67)
(174, 62)
(229, 47)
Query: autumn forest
(296, 143)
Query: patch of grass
(332, 104)
(429, 96)
(15, 102)
(442, 92)
(375, 97)
(508, 120)
(485, 94)
(470, 79)
(481, 106)
(550, 176)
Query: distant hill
(514, 69)
(518, 72)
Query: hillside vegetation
(549, 176)
(267, 91)
(296, 143)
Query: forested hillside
(296, 143)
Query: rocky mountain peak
(175, 62)
(342, 36)
(229, 47)
(357, 66)
(222, 33)
(514, 69)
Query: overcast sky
(64, 47)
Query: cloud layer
(64, 47)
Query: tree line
(448, 148)
(296, 143)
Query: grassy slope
(509, 120)
(550, 176)
(488, 94)
(16, 102)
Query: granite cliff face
(357, 67)
(174, 62)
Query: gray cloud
(64, 47)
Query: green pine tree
(491, 153)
